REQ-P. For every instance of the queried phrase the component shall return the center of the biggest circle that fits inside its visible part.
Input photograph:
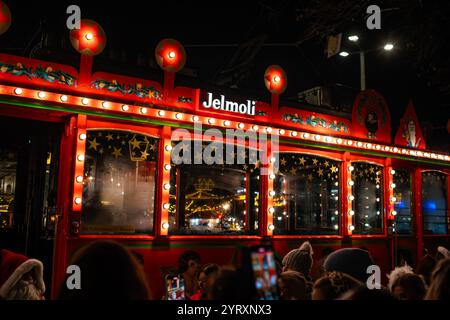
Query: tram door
(28, 185)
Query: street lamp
(362, 63)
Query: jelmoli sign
(220, 102)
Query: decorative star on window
(93, 144)
(117, 152)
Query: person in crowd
(206, 280)
(332, 285)
(293, 286)
(442, 253)
(440, 282)
(397, 273)
(351, 261)
(366, 294)
(230, 285)
(21, 278)
(300, 260)
(408, 286)
(108, 271)
(425, 268)
(189, 266)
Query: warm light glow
(63, 98)
(166, 206)
(339, 141)
(41, 94)
(351, 168)
(349, 142)
(172, 54)
(89, 36)
(143, 110)
(271, 227)
(386, 148)
(394, 213)
(276, 79)
(166, 186)
(281, 131)
(271, 210)
(161, 113)
(388, 47)
(351, 227)
(317, 137)
(82, 136)
(272, 193)
(293, 133)
(78, 200)
(80, 157)
(211, 120)
(328, 139)
(84, 101)
(168, 147)
(79, 179)
(273, 159)
(393, 185)
(368, 145)
(268, 129)
(178, 116)
(241, 125)
(351, 197)
(167, 167)
(125, 107)
(227, 123)
(344, 54)
(351, 212)
(18, 91)
(353, 38)
(359, 144)
(105, 104)
(395, 149)
(165, 225)
(306, 135)
(392, 171)
(351, 183)
(195, 118)
(378, 147)
(393, 199)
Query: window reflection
(434, 202)
(402, 193)
(8, 166)
(307, 195)
(368, 201)
(119, 182)
(215, 198)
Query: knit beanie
(300, 259)
(352, 261)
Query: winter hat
(397, 273)
(12, 268)
(352, 261)
(299, 259)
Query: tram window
(8, 165)
(214, 199)
(434, 203)
(402, 205)
(368, 198)
(307, 195)
(119, 183)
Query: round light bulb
(63, 98)
(41, 94)
(78, 200)
(18, 91)
(89, 36)
(82, 136)
(79, 179)
(125, 107)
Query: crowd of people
(111, 271)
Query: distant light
(353, 38)
(18, 91)
(344, 54)
(41, 94)
(276, 79)
(388, 47)
(89, 36)
(125, 107)
(172, 54)
(63, 98)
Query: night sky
(289, 33)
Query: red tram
(87, 156)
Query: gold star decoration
(144, 154)
(152, 146)
(257, 164)
(135, 143)
(326, 164)
(377, 180)
(302, 161)
(109, 137)
(372, 170)
(310, 177)
(333, 169)
(93, 144)
(245, 167)
(361, 174)
(117, 152)
(315, 161)
(283, 161)
(293, 171)
(320, 172)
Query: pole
(362, 65)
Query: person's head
(229, 286)
(332, 285)
(189, 263)
(207, 276)
(293, 286)
(366, 294)
(440, 282)
(442, 253)
(108, 271)
(21, 278)
(408, 286)
(426, 267)
(351, 261)
(397, 273)
(299, 260)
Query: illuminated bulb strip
(178, 116)
(166, 206)
(167, 167)
(165, 225)
(125, 108)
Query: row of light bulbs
(240, 125)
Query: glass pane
(307, 195)
(8, 166)
(434, 202)
(214, 199)
(368, 201)
(402, 192)
(119, 183)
